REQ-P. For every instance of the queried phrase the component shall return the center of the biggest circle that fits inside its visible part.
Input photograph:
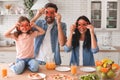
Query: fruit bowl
(107, 69)
(110, 75)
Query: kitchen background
(105, 14)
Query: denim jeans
(41, 62)
(21, 64)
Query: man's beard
(49, 20)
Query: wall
(7, 21)
(70, 11)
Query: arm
(39, 13)
(61, 35)
(9, 33)
(93, 39)
(40, 30)
(69, 41)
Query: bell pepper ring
(49, 12)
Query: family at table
(37, 38)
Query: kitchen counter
(7, 49)
(110, 49)
(24, 76)
(104, 49)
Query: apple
(103, 75)
(98, 68)
(111, 74)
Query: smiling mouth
(82, 31)
(49, 19)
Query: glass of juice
(4, 72)
(73, 69)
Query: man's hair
(52, 5)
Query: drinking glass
(73, 69)
(4, 72)
(50, 62)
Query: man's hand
(58, 17)
(40, 11)
(72, 28)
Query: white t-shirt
(45, 48)
(81, 53)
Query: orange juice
(4, 72)
(50, 65)
(73, 69)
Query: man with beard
(55, 36)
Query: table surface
(24, 76)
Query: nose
(48, 15)
(79, 27)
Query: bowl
(107, 69)
(110, 75)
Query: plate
(87, 69)
(36, 76)
(60, 76)
(62, 68)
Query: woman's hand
(91, 28)
(17, 25)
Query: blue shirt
(88, 58)
(54, 39)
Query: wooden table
(24, 76)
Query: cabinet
(104, 14)
(11, 7)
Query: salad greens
(92, 76)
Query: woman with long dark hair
(82, 41)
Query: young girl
(82, 41)
(24, 39)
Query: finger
(55, 14)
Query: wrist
(59, 24)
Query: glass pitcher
(50, 62)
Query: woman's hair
(76, 36)
(21, 19)
(52, 5)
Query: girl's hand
(17, 25)
(91, 28)
(58, 17)
(72, 28)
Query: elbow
(43, 32)
(67, 49)
(95, 50)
